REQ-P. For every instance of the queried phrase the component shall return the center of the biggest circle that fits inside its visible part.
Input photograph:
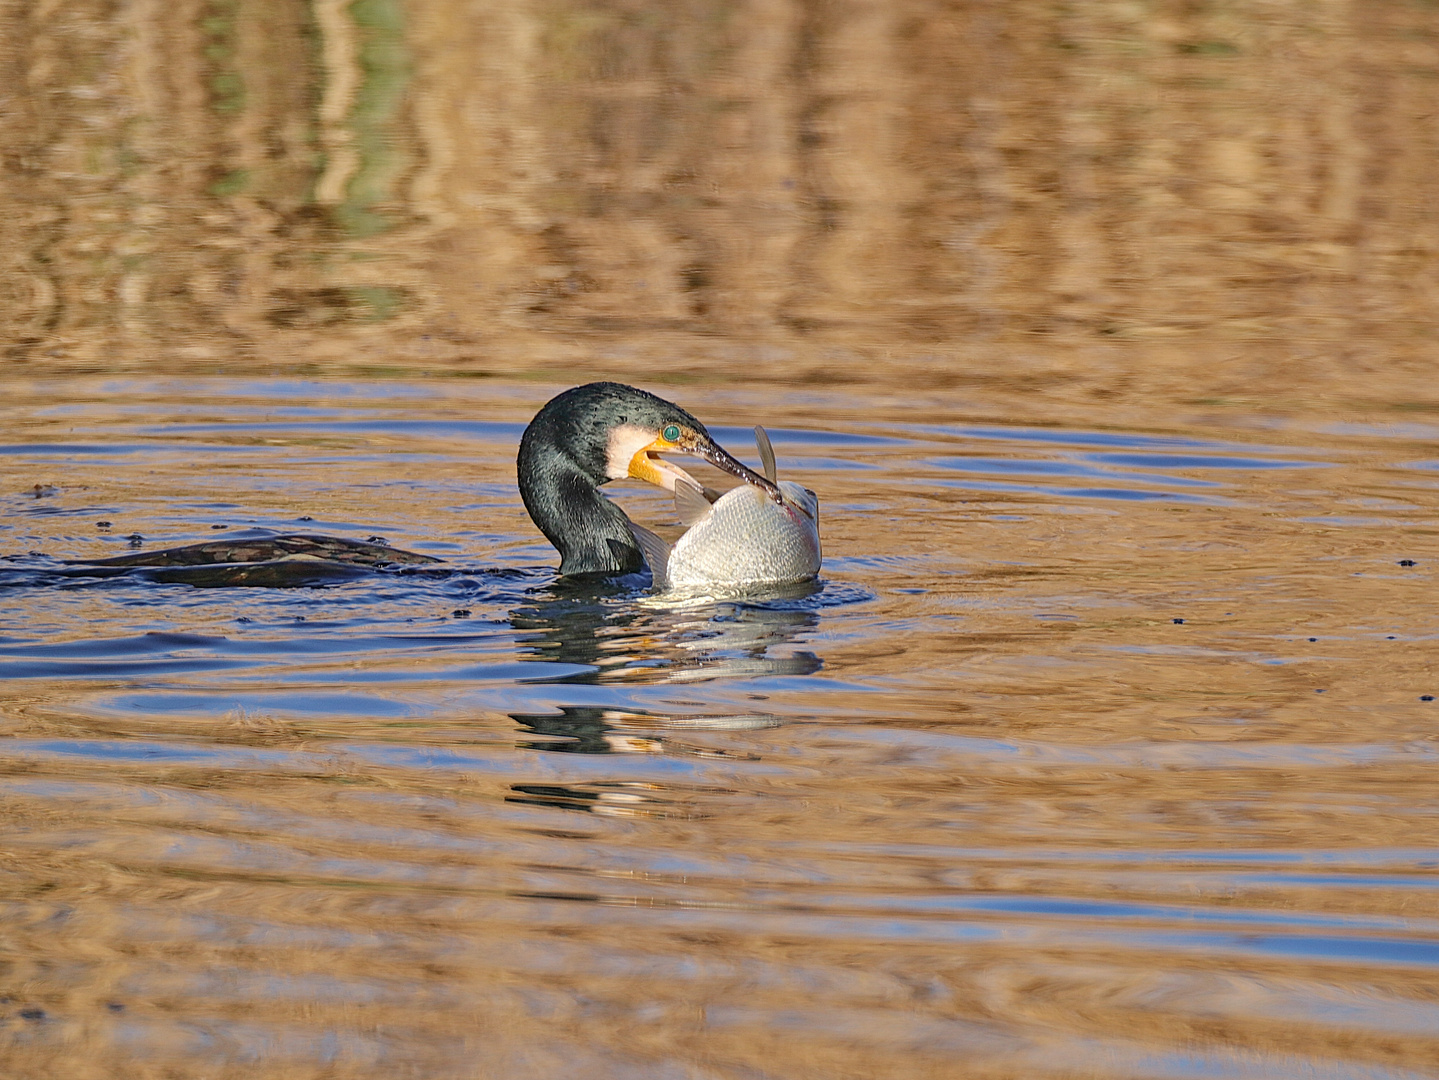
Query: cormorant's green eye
(671, 434)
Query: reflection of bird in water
(736, 641)
(617, 643)
(585, 437)
(624, 642)
(589, 729)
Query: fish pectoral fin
(766, 454)
(690, 502)
(656, 553)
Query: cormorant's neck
(592, 534)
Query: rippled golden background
(1182, 199)
(1121, 765)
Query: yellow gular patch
(634, 452)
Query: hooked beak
(720, 458)
(648, 465)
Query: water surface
(1098, 750)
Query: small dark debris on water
(306, 517)
(32, 1014)
(135, 540)
(244, 618)
(378, 540)
(42, 490)
(1392, 637)
(219, 526)
(461, 613)
(1319, 691)
(1406, 562)
(1178, 622)
(115, 1006)
(1426, 697)
(1314, 639)
(102, 524)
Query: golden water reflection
(1183, 201)
(1105, 332)
(1100, 750)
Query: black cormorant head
(600, 432)
(609, 431)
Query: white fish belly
(747, 537)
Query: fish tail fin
(766, 454)
(691, 503)
(656, 552)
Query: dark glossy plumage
(268, 548)
(563, 460)
(276, 562)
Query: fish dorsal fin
(766, 454)
(656, 553)
(690, 502)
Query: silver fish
(744, 539)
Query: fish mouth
(649, 466)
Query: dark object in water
(266, 549)
(276, 562)
(1406, 562)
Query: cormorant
(596, 433)
(581, 439)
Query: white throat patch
(626, 441)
